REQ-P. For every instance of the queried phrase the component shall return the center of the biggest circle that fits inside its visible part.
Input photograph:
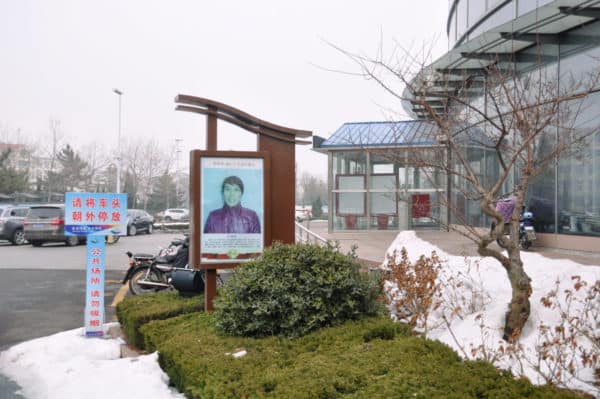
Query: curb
(127, 351)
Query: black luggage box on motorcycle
(187, 282)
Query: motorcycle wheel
(139, 289)
(525, 244)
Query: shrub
(366, 358)
(413, 287)
(135, 311)
(294, 289)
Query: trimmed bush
(294, 289)
(135, 311)
(366, 358)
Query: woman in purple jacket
(232, 217)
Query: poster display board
(232, 207)
(421, 206)
(350, 202)
(383, 194)
(384, 203)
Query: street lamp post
(177, 152)
(118, 189)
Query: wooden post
(211, 129)
(283, 187)
(210, 276)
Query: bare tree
(146, 161)
(155, 160)
(97, 162)
(10, 135)
(523, 119)
(52, 151)
(311, 187)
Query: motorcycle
(152, 273)
(526, 231)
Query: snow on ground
(69, 365)
(491, 278)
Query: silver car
(176, 214)
(11, 223)
(46, 223)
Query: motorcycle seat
(164, 260)
(143, 256)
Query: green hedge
(135, 311)
(367, 358)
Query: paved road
(42, 290)
(57, 256)
(36, 303)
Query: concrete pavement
(372, 245)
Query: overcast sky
(61, 59)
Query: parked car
(139, 221)
(303, 213)
(176, 214)
(11, 223)
(46, 223)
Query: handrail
(304, 235)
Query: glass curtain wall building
(562, 38)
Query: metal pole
(177, 153)
(448, 185)
(118, 188)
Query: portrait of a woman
(232, 217)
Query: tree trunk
(519, 307)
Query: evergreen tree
(71, 174)
(163, 193)
(74, 169)
(317, 211)
(11, 180)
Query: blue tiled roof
(382, 134)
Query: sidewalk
(372, 245)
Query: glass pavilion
(374, 185)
